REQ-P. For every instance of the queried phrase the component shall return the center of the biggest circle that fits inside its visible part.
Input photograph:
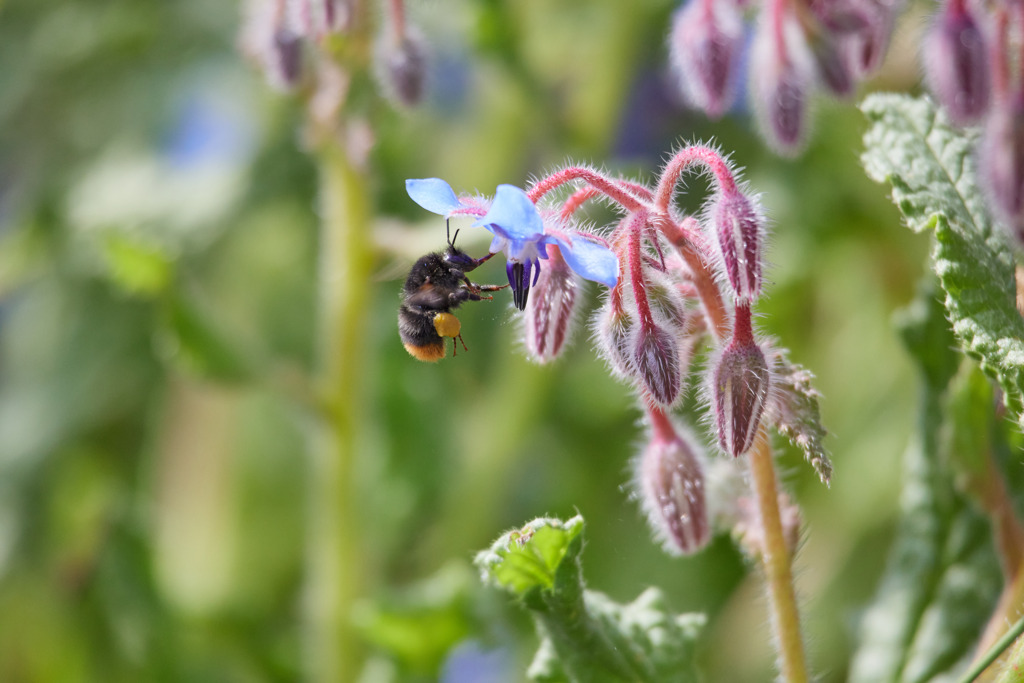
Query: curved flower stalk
(675, 283)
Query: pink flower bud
(956, 63)
(867, 47)
(739, 394)
(405, 69)
(831, 61)
(613, 329)
(670, 483)
(551, 308)
(1002, 163)
(706, 41)
(658, 364)
(782, 73)
(737, 221)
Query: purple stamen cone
(519, 278)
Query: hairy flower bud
(956, 63)
(613, 330)
(781, 77)
(738, 225)
(831, 61)
(1002, 163)
(739, 394)
(706, 42)
(550, 311)
(670, 485)
(405, 69)
(269, 38)
(867, 47)
(658, 363)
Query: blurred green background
(158, 239)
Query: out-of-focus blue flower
(519, 231)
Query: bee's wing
(428, 298)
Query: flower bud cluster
(973, 67)
(287, 40)
(797, 49)
(673, 282)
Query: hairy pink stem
(660, 424)
(694, 154)
(689, 243)
(635, 228)
(612, 189)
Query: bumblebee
(436, 285)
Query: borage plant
(674, 282)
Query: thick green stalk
(335, 559)
(776, 561)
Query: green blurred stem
(335, 562)
(776, 560)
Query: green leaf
(135, 267)
(421, 624)
(929, 164)
(584, 635)
(942, 577)
(194, 338)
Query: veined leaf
(942, 577)
(584, 635)
(929, 164)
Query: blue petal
(433, 194)
(591, 260)
(514, 213)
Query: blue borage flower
(519, 231)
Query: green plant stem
(776, 560)
(1015, 664)
(335, 558)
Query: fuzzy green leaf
(584, 635)
(942, 577)
(929, 164)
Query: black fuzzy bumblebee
(436, 285)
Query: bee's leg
(455, 345)
(475, 290)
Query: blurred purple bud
(550, 311)
(739, 226)
(285, 65)
(866, 49)
(670, 482)
(406, 69)
(613, 329)
(705, 45)
(740, 392)
(1002, 163)
(832, 64)
(842, 17)
(781, 72)
(956, 63)
(658, 364)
